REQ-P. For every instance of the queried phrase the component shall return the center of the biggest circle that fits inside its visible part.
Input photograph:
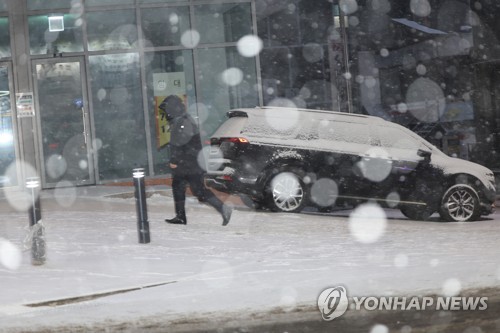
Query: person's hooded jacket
(185, 141)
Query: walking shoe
(226, 214)
(176, 220)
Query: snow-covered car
(285, 159)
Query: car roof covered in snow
(286, 112)
(306, 128)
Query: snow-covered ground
(260, 261)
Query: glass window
(164, 26)
(227, 80)
(111, 30)
(338, 131)
(43, 41)
(316, 20)
(8, 170)
(168, 73)
(160, 1)
(391, 137)
(52, 4)
(294, 22)
(3, 5)
(295, 61)
(108, 2)
(352, 138)
(64, 147)
(279, 27)
(223, 22)
(297, 73)
(118, 114)
(4, 38)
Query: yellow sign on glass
(166, 84)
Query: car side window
(345, 137)
(398, 144)
(391, 137)
(345, 132)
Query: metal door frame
(86, 122)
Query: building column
(22, 83)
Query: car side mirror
(425, 154)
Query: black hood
(173, 106)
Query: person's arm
(174, 149)
(174, 155)
(181, 134)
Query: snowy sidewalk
(97, 274)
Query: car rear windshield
(231, 127)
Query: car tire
(460, 203)
(286, 191)
(418, 213)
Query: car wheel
(460, 203)
(419, 213)
(286, 192)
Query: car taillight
(226, 178)
(238, 140)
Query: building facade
(431, 66)
(82, 79)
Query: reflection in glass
(296, 59)
(7, 150)
(4, 38)
(108, 2)
(223, 22)
(118, 114)
(111, 30)
(160, 65)
(298, 73)
(43, 41)
(227, 81)
(53, 4)
(160, 1)
(164, 26)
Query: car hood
(452, 165)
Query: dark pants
(195, 181)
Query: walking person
(185, 147)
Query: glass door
(8, 165)
(64, 136)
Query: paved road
(264, 270)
